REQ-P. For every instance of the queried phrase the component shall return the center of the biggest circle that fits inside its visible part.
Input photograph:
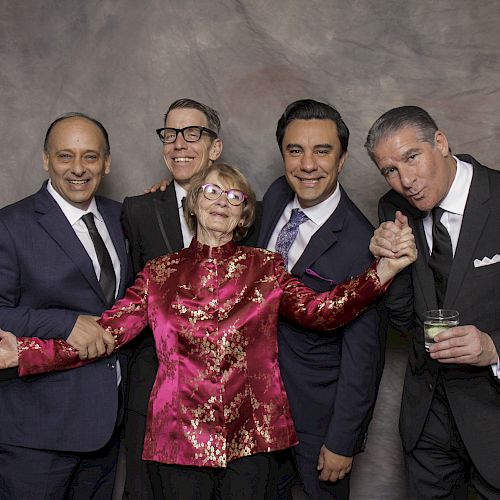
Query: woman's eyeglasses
(234, 197)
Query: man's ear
(216, 149)
(107, 164)
(441, 143)
(342, 161)
(45, 160)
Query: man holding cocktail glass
(450, 412)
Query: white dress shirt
(187, 234)
(74, 216)
(453, 205)
(317, 215)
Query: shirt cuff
(495, 368)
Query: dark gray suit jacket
(473, 393)
(331, 378)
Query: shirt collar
(456, 198)
(180, 193)
(321, 212)
(72, 213)
(202, 252)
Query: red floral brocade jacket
(218, 394)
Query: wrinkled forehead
(396, 139)
(225, 181)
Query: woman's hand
(394, 244)
(8, 350)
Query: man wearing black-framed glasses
(154, 225)
(168, 135)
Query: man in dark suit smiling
(154, 224)
(331, 380)
(62, 254)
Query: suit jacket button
(111, 365)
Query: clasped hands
(86, 337)
(394, 244)
(8, 350)
(89, 339)
(461, 344)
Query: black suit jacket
(47, 280)
(473, 393)
(331, 379)
(152, 227)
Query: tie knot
(437, 213)
(88, 219)
(297, 217)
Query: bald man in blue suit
(57, 431)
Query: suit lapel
(166, 213)
(475, 217)
(54, 222)
(271, 215)
(323, 238)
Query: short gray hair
(212, 116)
(398, 118)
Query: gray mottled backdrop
(125, 61)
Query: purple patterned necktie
(289, 232)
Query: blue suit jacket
(46, 281)
(331, 379)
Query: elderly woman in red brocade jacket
(218, 401)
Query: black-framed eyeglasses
(168, 135)
(234, 197)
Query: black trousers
(439, 467)
(299, 466)
(247, 478)
(30, 474)
(141, 480)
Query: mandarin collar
(203, 252)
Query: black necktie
(107, 279)
(442, 255)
